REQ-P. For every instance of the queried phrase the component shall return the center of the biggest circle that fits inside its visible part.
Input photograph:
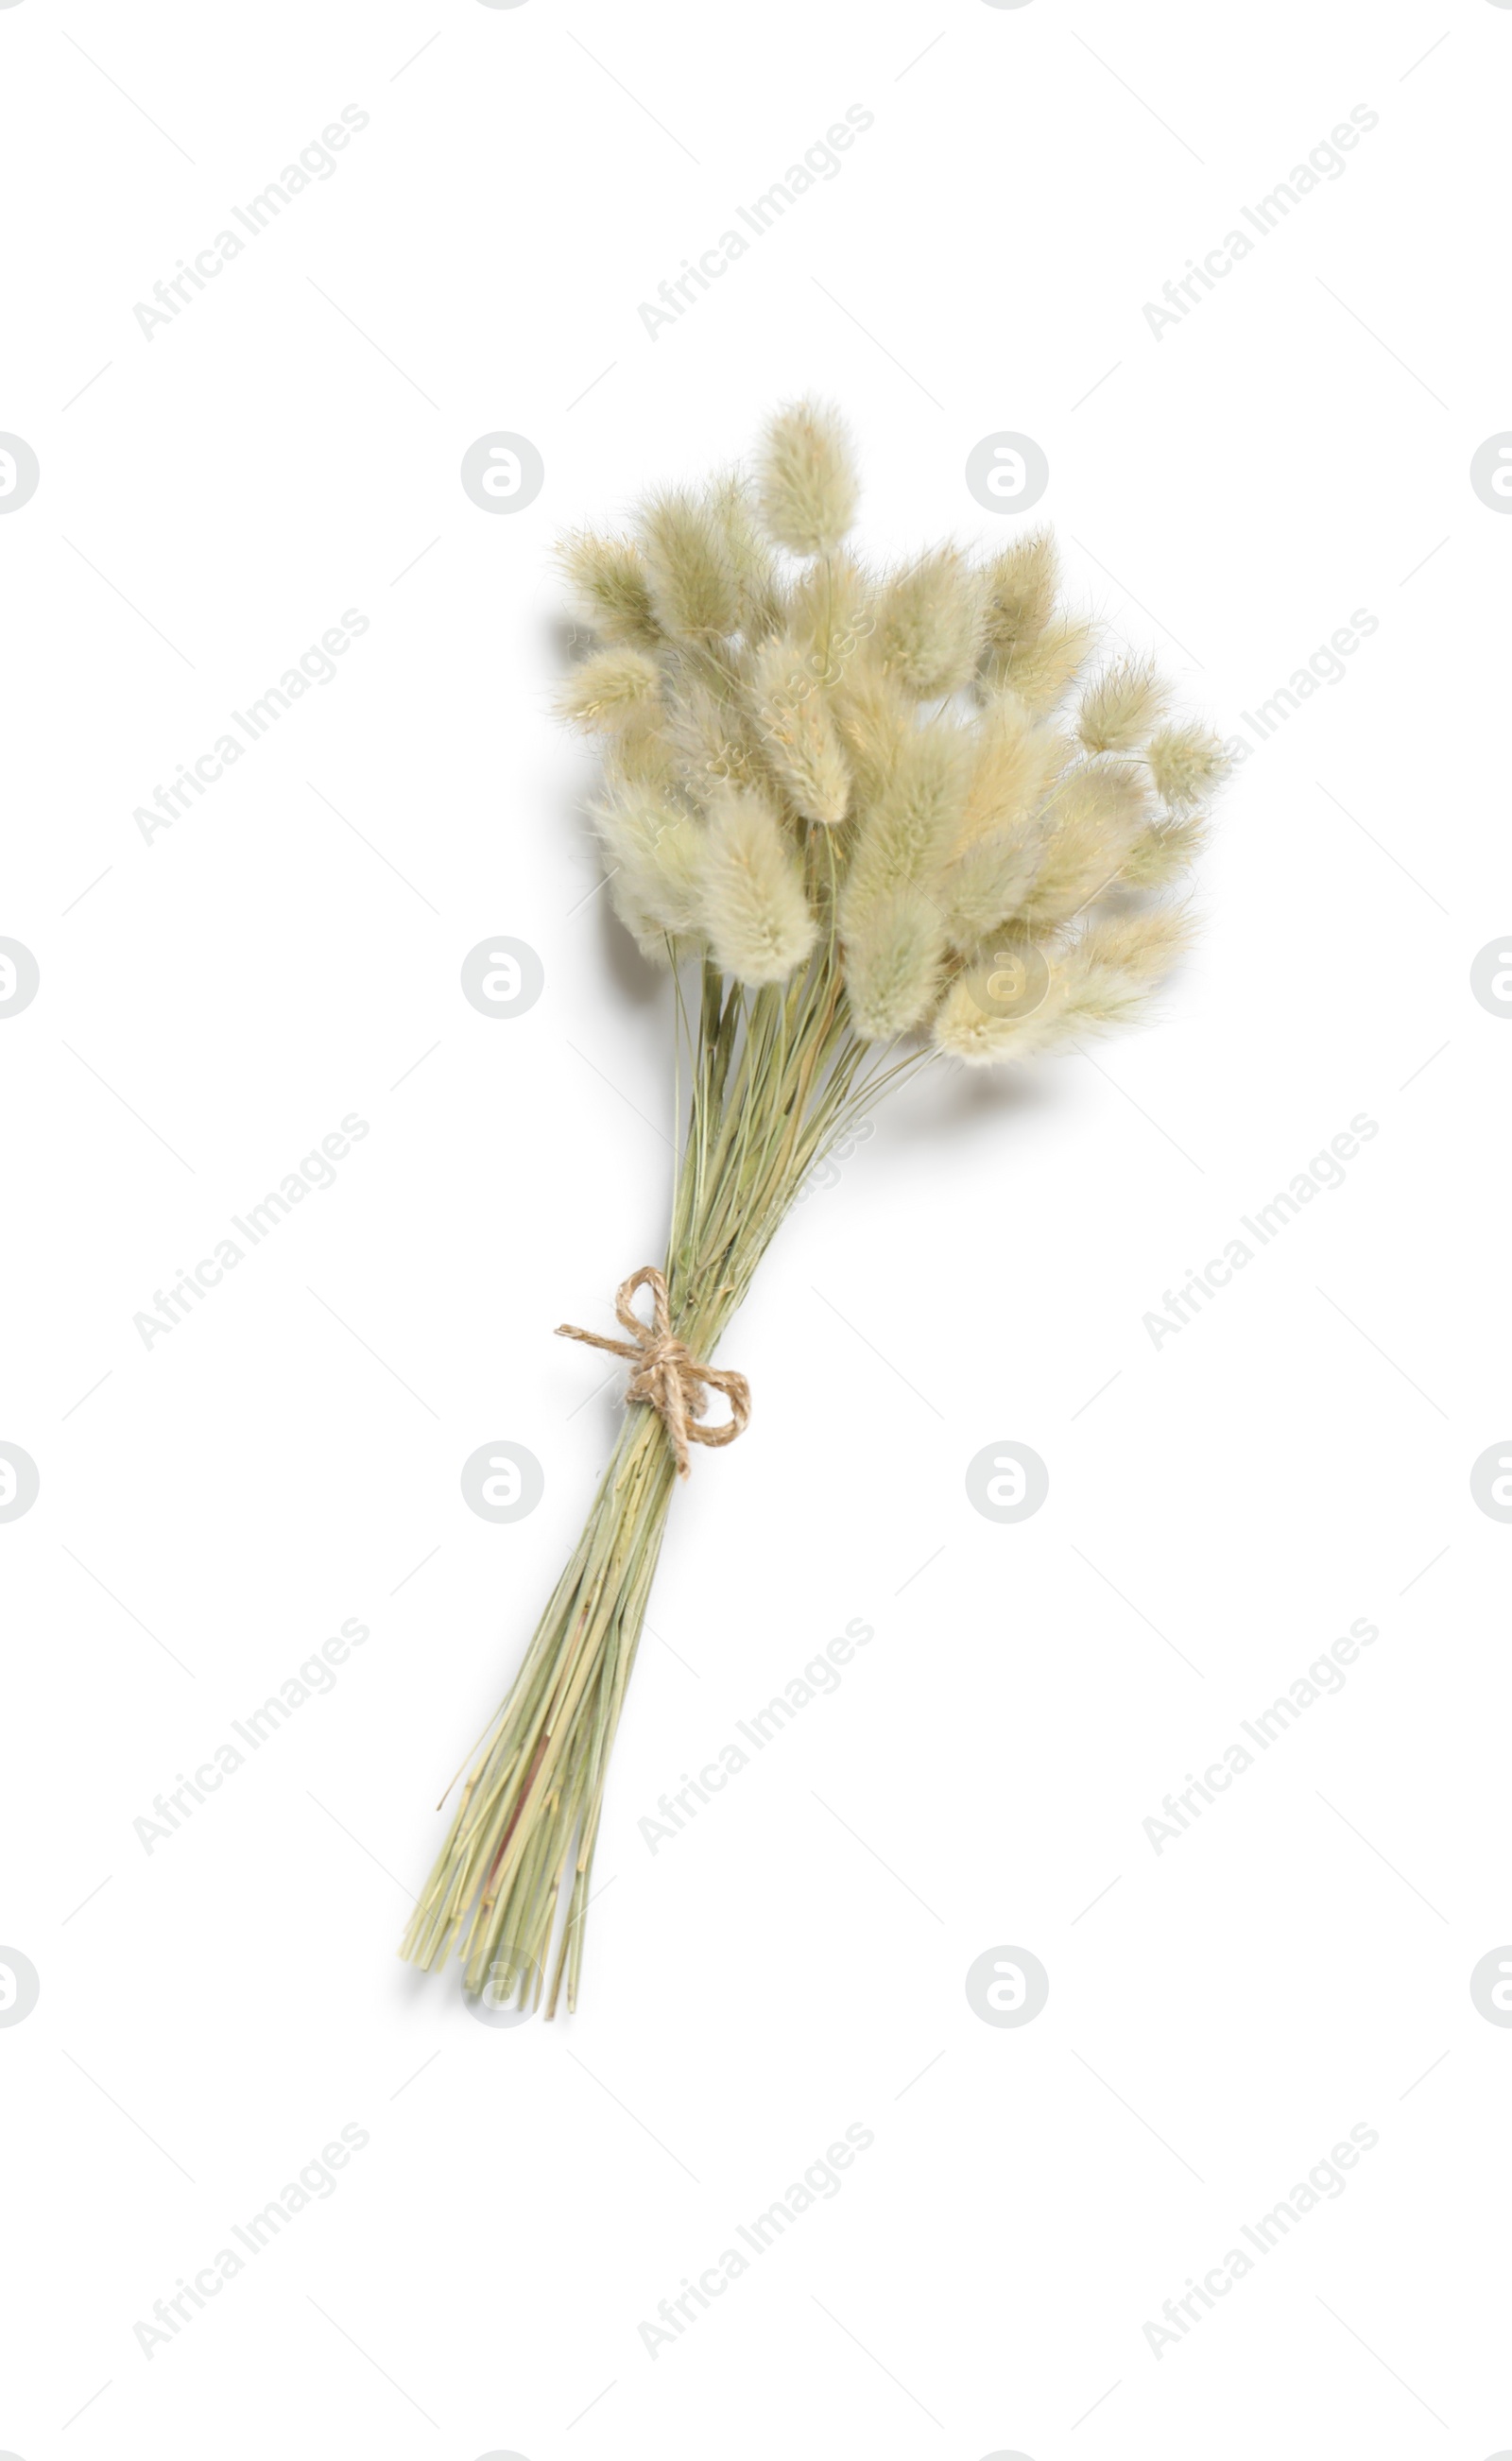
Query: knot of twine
(667, 1376)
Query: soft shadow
(641, 984)
(566, 641)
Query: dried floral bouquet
(868, 820)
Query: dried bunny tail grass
(709, 728)
(874, 723)
(605, 692)
(906, 835)
(657, 853)
(893, 966)
(1163, 851)
(806, 478)
(1017, 759)
(1187, 763)
(640, 752)
(830, 610)
(970, 1026)
(749, 558)
(1020, 587)
(1043, 671)
(798, 732)
(989, 883)
(854, 868)
(694, 590)
(1094, 818)
(1101, 980)
(609, 588)
(1109, 973)
(930, 624)
(752, 902)
(1119, 710)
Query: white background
(214, 1001)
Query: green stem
(777, 1077)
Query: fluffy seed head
(969, 1025)
(893, 966)
(1042, 669)
(604, 693)
(753, 909)
(655, 854)
(906, 836)
(874, 721)
(806, 480)
(710, 726)
(748, 557)
(1120, 708)
(1015, 761)
(1160, 855)
(1186, 762)
(798, 733)
(1095, 816)
(1109, 973)
(694, 590)
(610, 593)
(1101, 980)
(709, 748)
(990, 885)
(830, 610)
(929, 625)
(1020, 587)
(640, 751)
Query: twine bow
(667, 1376)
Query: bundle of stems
(778, 1078)
(844, 805)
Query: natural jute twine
(667, 1376)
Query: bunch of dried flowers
(867, 820)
